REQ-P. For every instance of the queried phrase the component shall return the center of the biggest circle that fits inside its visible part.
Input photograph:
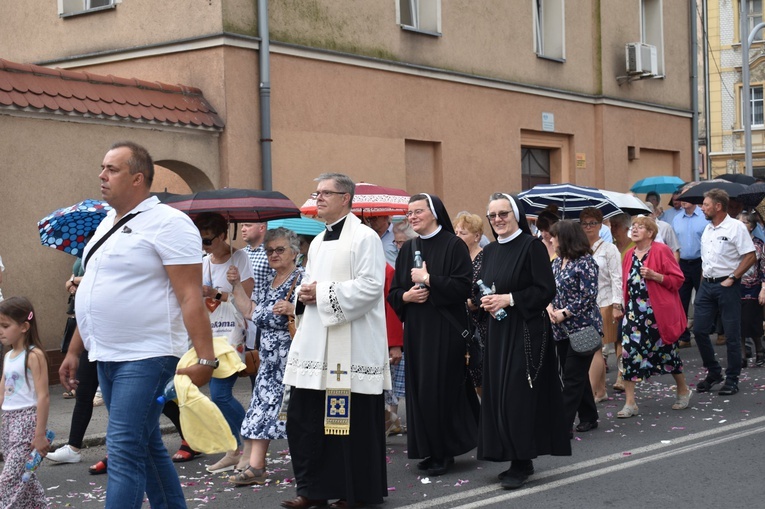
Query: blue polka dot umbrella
(68, 229)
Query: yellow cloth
(204, 427)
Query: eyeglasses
(325, 194)
(278, 250)
(415, 212)
(502, 215)
(590, 224)
(208, 242)
(638, 227)
(399, 243)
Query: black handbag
(71, 324)
(585, 341)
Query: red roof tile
(25, 86)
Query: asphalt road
(709, 455)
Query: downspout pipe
(265, 96)
(694, 89)
(707, 101)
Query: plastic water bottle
(418, 264)
(34, 459)
(485, 290)
(168, 393)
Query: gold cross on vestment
(338, 372)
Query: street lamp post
(746, 42)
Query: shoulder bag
(585, 341)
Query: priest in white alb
(338, 361)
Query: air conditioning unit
(641, 59)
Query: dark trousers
(577, 391)
(350, 467)
(711, 298)
(87, 376)
(692, 272)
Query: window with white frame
(549, 28)
(652, 29)
(755, 105)
(72, 7)
(421, 15)
(754, 18)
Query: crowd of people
(498, 345)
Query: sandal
(627, 412)
(185, 453)
(682, 401)
(98, 468)
(69, 394)
(249, 476)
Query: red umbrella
(371, 200)
(236, 205)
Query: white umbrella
(629, 204)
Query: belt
(690, 260)
(715, 279)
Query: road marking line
(649, 449)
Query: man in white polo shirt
(727, 252)
(138, 304)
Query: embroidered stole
(337, 414)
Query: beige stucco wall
(621, 25)
(39, 34)
(48, 164)
(478, 130)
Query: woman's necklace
(275, 285)
(642, 252)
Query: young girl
(25, 402)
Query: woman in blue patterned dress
(269, 313)
(575, 307)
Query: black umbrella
(752, 195)
(738, 178)
(236, 205)
(695, 191)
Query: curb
(99, 439)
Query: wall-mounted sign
(581, 160)
(548, 121)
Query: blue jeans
(711, 298)
(138, 460)
(222, 394)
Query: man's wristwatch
(205, 362)
(733, 277)
(218, 296)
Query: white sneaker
(65, 454)
(98, 400)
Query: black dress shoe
(301, 502)
(708, 383)
(424, 464)
(513, 479)
(439, 466)
(524, 468)
(585, 426)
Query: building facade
(455, 97)
(726, 123)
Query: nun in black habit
(522, 404)
(441, 404)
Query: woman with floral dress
(270, 313)
(654, 317)
(575, 307)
